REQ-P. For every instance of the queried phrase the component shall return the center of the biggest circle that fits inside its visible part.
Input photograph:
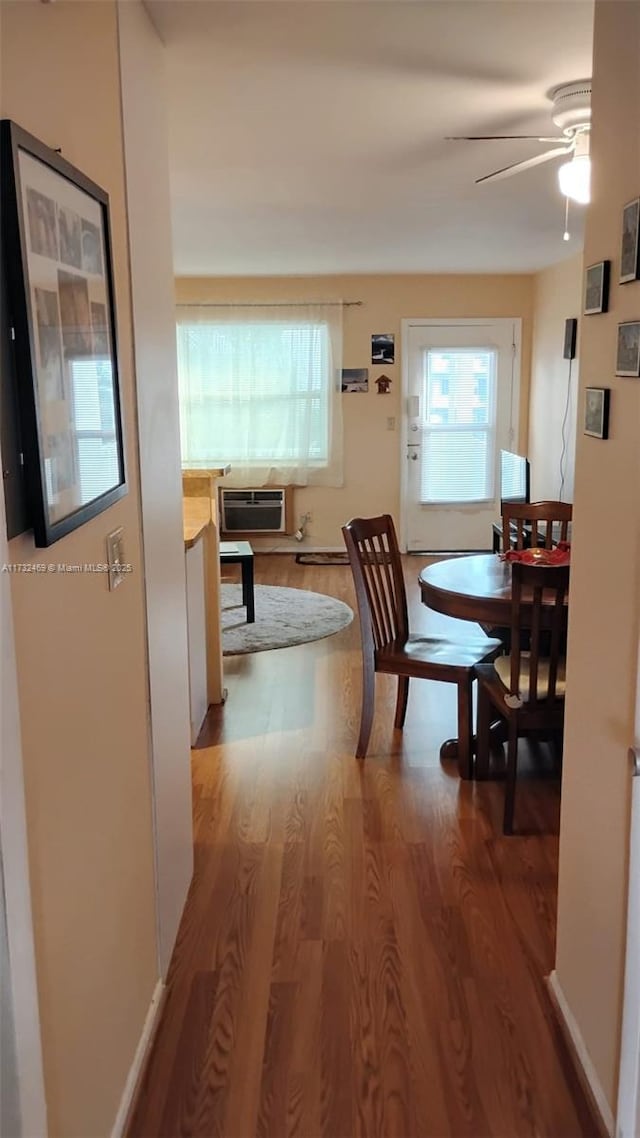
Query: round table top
(469, 588)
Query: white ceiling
(308, 136)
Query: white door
(461, 387)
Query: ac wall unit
(254, 510)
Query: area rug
(336, 558)
(283, 617)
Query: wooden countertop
(196, 516)
(197, 472)
(199, 503)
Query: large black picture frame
(60, 297)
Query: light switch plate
(115, 557)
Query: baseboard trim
(144, 1043)
(584, 1068)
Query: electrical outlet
(115, 557)
(391, 423)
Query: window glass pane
(459, 386)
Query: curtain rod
(277, 304)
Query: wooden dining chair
(387, 645)
(535, 524)
(526, 688)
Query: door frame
(516, 379)
(21, 980)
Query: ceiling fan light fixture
(575, 179)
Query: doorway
(461, 386)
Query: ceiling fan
(571, 113)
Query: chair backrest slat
(516, 516)
(381, 617)
(374, 557)
(544, 589)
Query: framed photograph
(383, 348)
(596, 412)
(355, 379)
(596, 288)
(630, 251)
(628, 353)
(55, 228)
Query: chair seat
(530, 716)
(503, 667)
(434, 652)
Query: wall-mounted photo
(596, 412)
(596, 288)
(383, 348)
(628, 353)
(630, 251)
(355, 379)
(59, 282)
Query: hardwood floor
(362, 952)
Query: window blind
(459, 426)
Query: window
(459, 428)
(259, 391)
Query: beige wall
(81, 651)
(605, 587)
(557, 296)
(372, 453)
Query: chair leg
(401, 701)
(512, 774)
(465, 733)
(483, 755)
(366, 716)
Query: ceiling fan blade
(500, 137)
(516, 167)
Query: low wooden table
(242, 555)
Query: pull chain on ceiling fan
(571, 113)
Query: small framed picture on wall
(383, 349)
(628, 350)
(630, 250)
(596, 288)
(596, 412)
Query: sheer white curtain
(260, 388)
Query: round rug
(283, 617)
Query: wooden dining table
(475, 588)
